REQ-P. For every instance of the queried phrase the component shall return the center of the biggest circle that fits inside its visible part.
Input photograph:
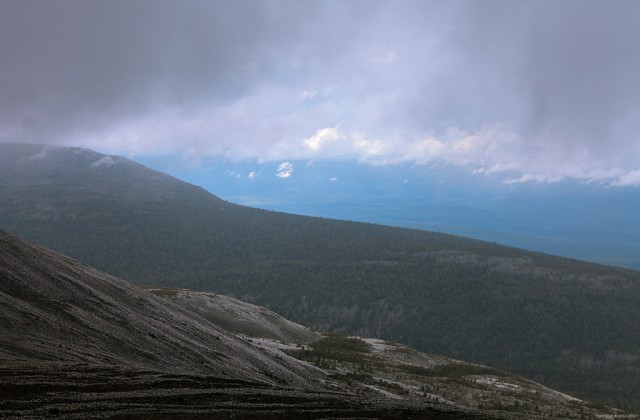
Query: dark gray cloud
(580, 74)
(543, 89)
(77, 63)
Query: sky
(536, 91)
(497, 97)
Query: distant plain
(574, 219)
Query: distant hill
(77, 343)
(566, 323)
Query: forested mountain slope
(78, 343)
(569, 324)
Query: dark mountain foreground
(77, 343)
(568, 324)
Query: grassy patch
(336, 347)
(451, 370)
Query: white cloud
(425, 150)
(104, 161)
(284, 170)
(531, 178)
(629, 179)
(333, 179)
(41, 154)
(232, 174)
(493, 149)
(323, 137)
(308, 94)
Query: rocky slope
(76, 343)
(55, 309)
(379, 368)
(238, 317)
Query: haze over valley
(569, 218)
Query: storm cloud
(532, 90)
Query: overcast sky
(529, 90)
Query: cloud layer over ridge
(531, 90)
